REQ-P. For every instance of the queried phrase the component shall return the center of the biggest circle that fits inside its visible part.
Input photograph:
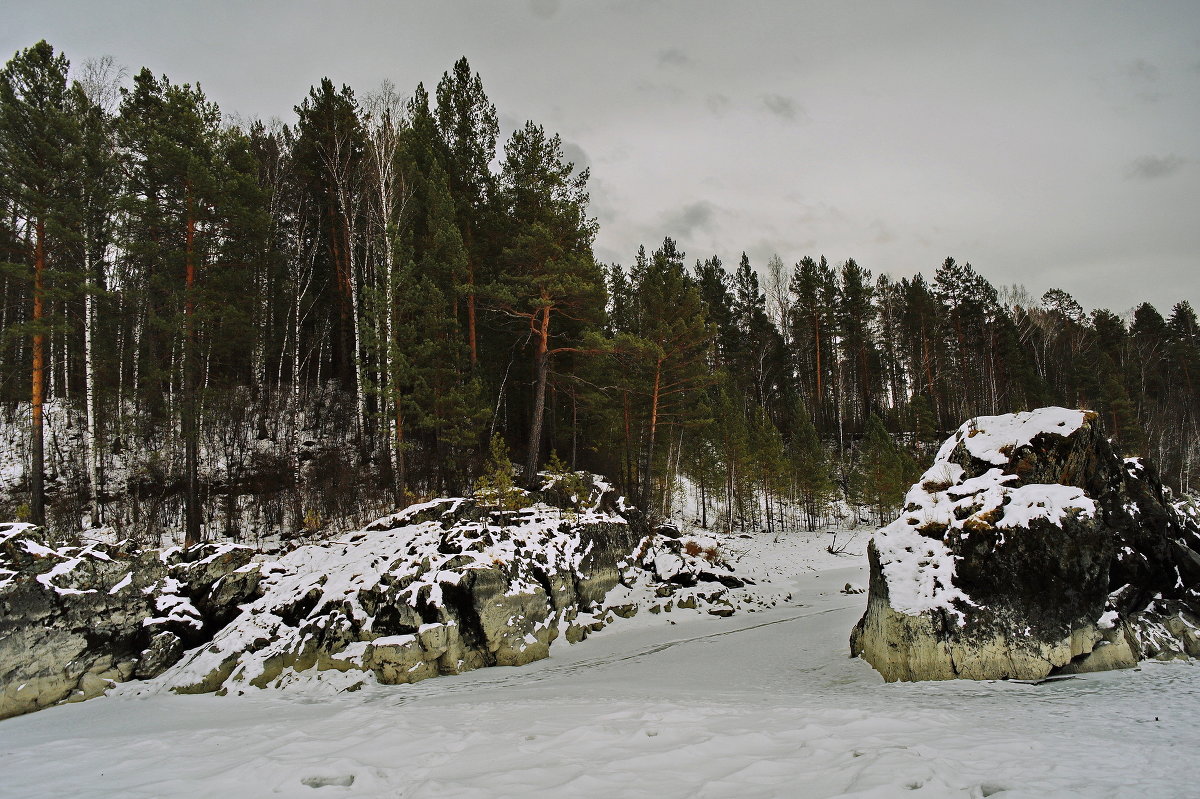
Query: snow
(122, 584)
(992, 438)
(59, 570)
(422, 548)
(176, 607)
(1045, 501)
(762, 704)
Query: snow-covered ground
(764, 703)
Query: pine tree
(713, 283)
(186, 205)
(549, 275)
(810, 467)
(39, 137)
(883, 471)
(756, 351)
(664, 357)
(496, 486)
(466, 120)
(330, 154)
(855, 320)
(813, 291)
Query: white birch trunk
(89, 390)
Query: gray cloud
(717, 103)
(576, 155)
(949, 132)
(880, 233)
(544, 8)
(688, 219)
(1152, 167)
(668, 91)
(1142, 71)
(782, 107)
(673, 57)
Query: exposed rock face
(1030, 548)
(74, 620)
(438, 588)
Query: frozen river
(761, 704)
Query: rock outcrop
(75, 620)
(439, 588)
(1031, 548)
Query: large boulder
(76, 619)
(1031, 548)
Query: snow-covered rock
(444, 587)
(76, 619)
(441, 587)
(1029, 548)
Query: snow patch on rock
(994, 438)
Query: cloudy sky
(1052, 145)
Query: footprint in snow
(344, 781)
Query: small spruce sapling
(571, 485)
(495, 487)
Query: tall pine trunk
(189, 406)
(471, 315)
(647, 475)
(542, 368)
(37, 488)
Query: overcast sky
(1052, 145)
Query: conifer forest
(221, 326)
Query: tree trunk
(95, 486)
(647, 478)
(295, 409)
(191, 433)
(37, 488)
(820, 391)
(471, 315)
(542, 368)
(360, 399)
(628, 481)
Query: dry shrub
(692, 549)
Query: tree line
(249, 324)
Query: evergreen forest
(217, 326)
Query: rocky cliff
(438, 588)
(1030, 548)
(74, 620)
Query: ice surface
(758, 705)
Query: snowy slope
(673, 705)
